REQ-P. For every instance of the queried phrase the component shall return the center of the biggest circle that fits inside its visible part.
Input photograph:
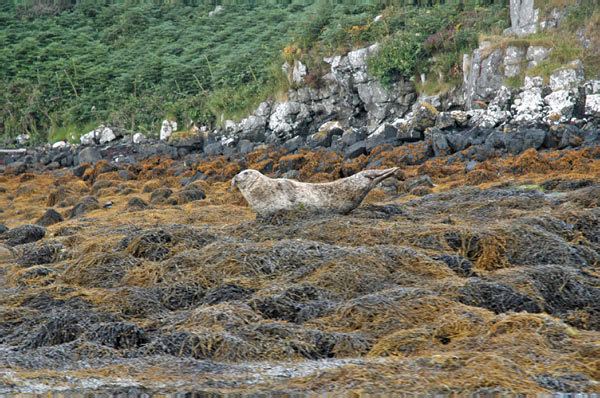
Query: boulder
(513, 59)
(561, 105)
(523, 17)
(139, 138)
(425, 117)
(85, 205)
(483, 75)
(352, 136)
(89, 155)
(23, 234)
(535, 55)
(287, 117)
(355, 150)
(50, 217)
(565, 78)
(592, 105)
(167, 128)
(529, 104)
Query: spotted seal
(272, 195)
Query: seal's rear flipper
(379, 175)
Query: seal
(268, 196)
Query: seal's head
(244, 179)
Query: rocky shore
(129, 264)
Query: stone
(253, 128)
(355, 150)
(535, 55)
(561, 105)
(352, 136)
(320, 139)
(160, 195)
(552, 21)
(213, 149)
(167, 128)
(529, 104)
(439, 144)
(592, 105)
(299, 72)
(139, 138)
(22, 139)
(523, 17)
(136, 203)
(482, 76)
(50, 217)
(513, 59)
(293, 144)
(59, 144)
(216, 11)
(244, 147)
(425, 117)
(564, 79)
(89, 155)
(106, 135)
(287, 117)
(190, 195)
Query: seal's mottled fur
(268, 196)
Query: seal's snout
(233, 182)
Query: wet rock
(3, 229)
(23, 234)
(85, 205)
(355, 150)
(50, 217)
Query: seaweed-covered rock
(119, 335)
(45, 254)
(136, 203)
(496, 297)
(23, 234)
(85, 205)
(50, 217)
(226, 292)
(161, 195)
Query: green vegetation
(132, 65)
(68, 65)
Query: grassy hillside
(71, 65)
(134, 65)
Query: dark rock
(85, 205)
(572, 383)
(181, 297)
(440, 144)
(152, 244)
(50, 217)
(160, 195)
(352, 136)
(425, 117)
(102, 184)
(533, 138)
(422, 181)
(293, 143)
(190, 195)
(409, 135)
(244, 147)
(89, 155)
(322, 139)
(23, 234)
(3, 229)
(213, 149)
(458, 141)
(17, 168)
(355, 150)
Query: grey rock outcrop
(523, 17)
